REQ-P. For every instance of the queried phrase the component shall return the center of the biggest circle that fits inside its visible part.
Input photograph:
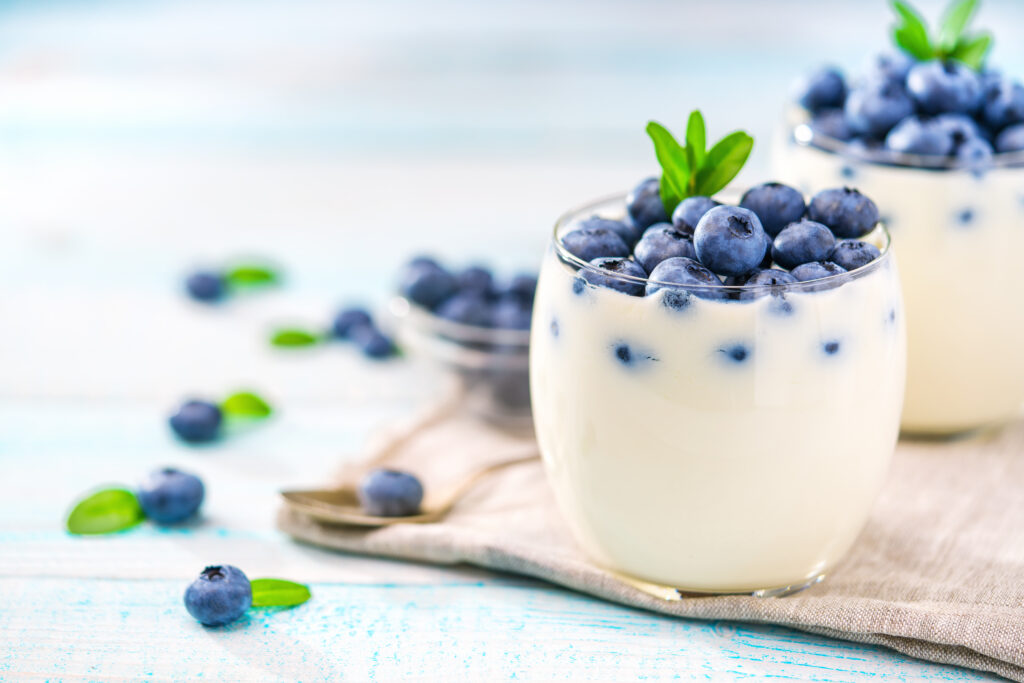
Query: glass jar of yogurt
(716, 438)
(959, 234)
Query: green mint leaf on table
(912, 35)
(972, 51)
(957, 16)
(278, 593)
(105, 512)
(251, 275)
(245, 404)
(675, 169)
(723, 162)
(292, 338)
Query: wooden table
(140, 139)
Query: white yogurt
(960, 240)
(727, 450)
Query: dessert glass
(716, 445)
(960, 236)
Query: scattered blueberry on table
(198, 421)
(390, 493)
(220, 595)
(168, 495)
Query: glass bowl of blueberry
(474, 326)
(935, 135)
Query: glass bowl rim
(425, 320)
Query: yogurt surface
(723, 446)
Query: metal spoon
(341, 505)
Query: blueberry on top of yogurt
(935, 102)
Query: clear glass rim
(801, 133)
(592, 208)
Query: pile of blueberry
(942, 109)
(471, 296)
(355, 324)
(772, 238)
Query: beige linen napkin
(937, 574)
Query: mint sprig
(278, 593)
(692, 170)
(911, 35)
(105, 512)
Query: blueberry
(822, 89)
(689, 212)
(523, 285)
(591, 243)
(644, 206)
(960, 127)
(852, 254)
(390, 493)
(845, 211)
(831, 123)
(349, 319)
(775, 204)
(1011, 139)
(802, 242)
(831, 347)
(685, 272)
(875, 107)
(467, 308)
(219, 596)
(427, 283)
(944, 86)
(373, 343)
(662, 241)
(913, 135)
(619, 266)
(1004, 104)
(630, 356)
(736, 353)
(627, 231)
(197, 421)
(168, 495)
(890, 67)
(975, 155)
(816, 271)
(730, 240)
(206, 286)
(476, 279)
(512, 313)
(769, 281)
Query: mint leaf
(953, 24)
(723, 162)
(675, 167)
(251, 275)
(278, 593)
(696, 139)
(972, 50)
(911, 35)
(105, 512)
(291, 337)
(246, 404)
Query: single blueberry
(630, 356)
(1011, 139)
(914, 135)
(390, 493)
(691, 277)
(770, 281)
(831, 123)
(890, 67)
(644, 206)
(206, 286)
(802, 242)
(875, 107)
(662, 241)
(675, 299)
(169, 495)
(975, 155)
(821, 89)
(220, 595)
(512, 313)
(965, 216)
(831, 347)
(476, 279)
(1004, 104)
(608, 272)
(816, 271)
(578, 285)
(847, 172)
(426, 283)
(626, 230)
(197, 421)
(736, 353)
(729, 240)
(949, 86)
(373, 343)
(689, 212)
(467, 308)
(845, 211)
(852, 254)
(775, 204)
(591, 243)
(960, 127)
(349, 319)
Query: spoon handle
(454, 494)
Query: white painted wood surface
(138, 139)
